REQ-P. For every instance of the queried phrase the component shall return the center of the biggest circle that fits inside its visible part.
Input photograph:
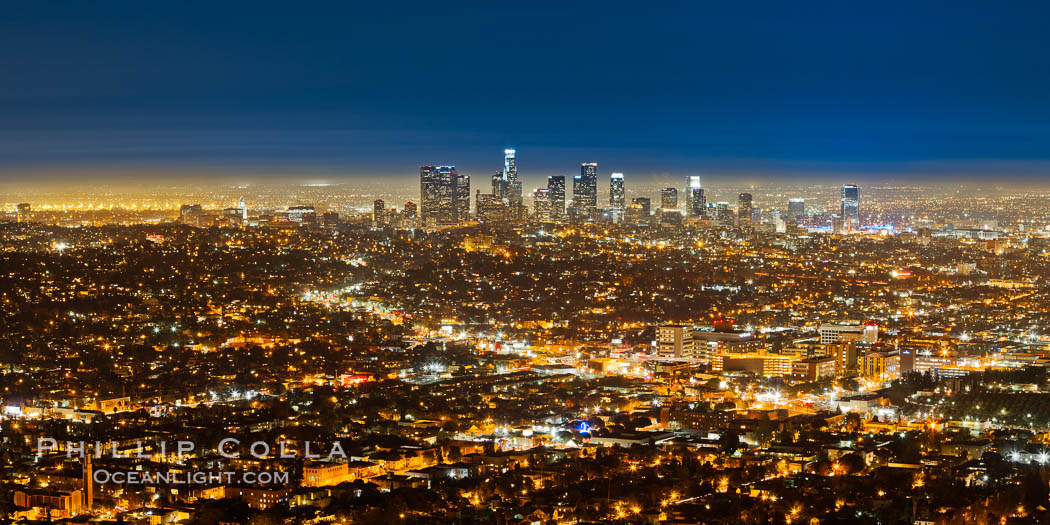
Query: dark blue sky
(361, 89)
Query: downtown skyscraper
(617, 206)
(796, 209)
(444, 195)
(461, 197)
(505, 184)
(585, 193)
(850, 206)
(669, 199)
(506, 187)
(510, 174)
(696, 202)
(556, 196)
(744, 208)
(378, 210)
(541, 203)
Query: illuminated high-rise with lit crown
(510, 174)
(696, 202)
(616, 197)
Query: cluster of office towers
(445, 195)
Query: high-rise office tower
(743, 208)
(578, 190)
(643, 207)
(851, 206)
(510, 164)
(330, 220)
(617, 206)
(488, 207)
(556, 196)
(723, 213)
(191, 214)
(377, 212)
(24, 212)
(461, 196)
(516, 201)
(696, 202)
(669, 199)
(541, 202)
(674, 340)
(499, 186)
(445, 195)
(506, 185)
(435, 195)
(242, 205)
(510, 172)
(506, 188)
(796, 209)
(585, 193)
(410, 210)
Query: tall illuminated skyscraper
(796, 209)
(378, 210)
(242, 205)
(723, 213)
(25, 211)
(669, 199)
(578, 190)
(556, 196)
(617, 206)
(744, 206)
(641, 208)
(541, 204)
(510, 173)
(851, 206)
(696, 202)
(461, 196)
(499, 187)
(510, 165)
(435, 195)
(445, 195)
(488, 207)
(585, 193)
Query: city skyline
(705, 361)
(525, 264)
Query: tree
(764, 430)
(1034, 486)
(265, 518)
(852, 463)
(852, 423)
(730, 441)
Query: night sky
(757, 88)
